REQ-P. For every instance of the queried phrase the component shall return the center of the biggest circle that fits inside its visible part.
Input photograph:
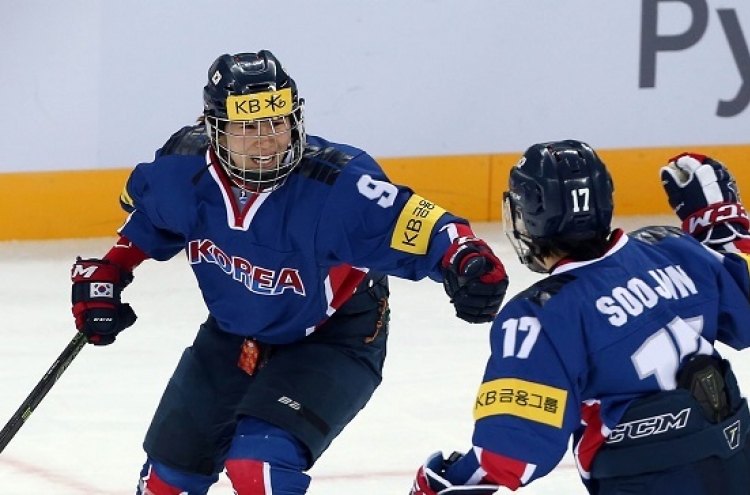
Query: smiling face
(258, 145)
(259, 154)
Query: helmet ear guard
(254, 91)
(559, 197)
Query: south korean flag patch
(101, 290)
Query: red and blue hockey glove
(100, 314)
(475, 279)
(704, 194)
(430, 479)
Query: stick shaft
(42, 388)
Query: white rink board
(94, 84)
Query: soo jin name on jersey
(668, 283)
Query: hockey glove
(430, 480)
(99, 313)
(474, 279)
(704, 194)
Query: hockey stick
(40, 391)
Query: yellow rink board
(472, 185)
(84, 203)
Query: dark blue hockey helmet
(559, 192)
(254, 90)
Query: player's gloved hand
(430, 480)
(475, 279)
(704, 194)
(100, 314)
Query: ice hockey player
(291, 238)
(615, 347)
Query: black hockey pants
(328, 377)
(677, 443)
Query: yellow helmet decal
(260, 105)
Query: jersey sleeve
(731, 271)
(151, 225)
(734, 293)
(370, 222)
(529, 403)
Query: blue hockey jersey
(576, 348)
(277, 266)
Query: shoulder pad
(322, 164)
(328, 155)
(655, 233)
(541, 292)
(190, 140)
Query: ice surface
(85, 437)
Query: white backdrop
(97, 84)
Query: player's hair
(574, 249)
